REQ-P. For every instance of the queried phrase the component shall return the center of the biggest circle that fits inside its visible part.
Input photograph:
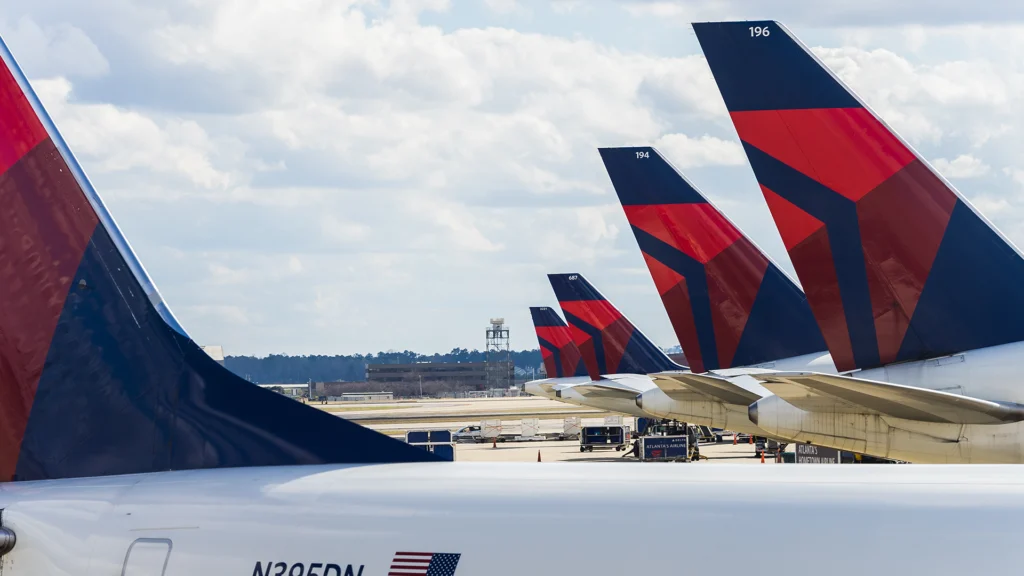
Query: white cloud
(225, 313)
(991, 206)
(459, 225)
(112, 139)
(686, 152)
(342, 231)
(58, 50)
(317, 175)
(503, 6)
(879, 14)
(963, 166)
(569, 6)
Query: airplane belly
(511, 519)
(704, 412)
(614, 405)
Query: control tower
(499, 355)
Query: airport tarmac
(427, 409)
(569, 450)
(397, 417)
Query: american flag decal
(424, 564)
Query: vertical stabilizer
(96, 376)
(607, 340)
(560, 354)
(895, 263)
(729, 304)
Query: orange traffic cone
(751, 439)
(494, 443)
(538, 455)
(734, 437)
(762, 456)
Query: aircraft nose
(752, 413)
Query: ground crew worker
(691, 439)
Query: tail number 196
(759, 31)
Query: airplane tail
(607, 340)
(895, 263)
(560, 354)
(729, 304)
(96, 376)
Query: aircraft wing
(548, 387)
(606, 389)
(687, 386)
(815, 392)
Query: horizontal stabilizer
(815, 392)
(686, 386)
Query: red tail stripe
(597, 313)
(794, 224)
(734, 278)
(846, 149)
(664, 277)
(20, 129)
(697, 230)
(43, 236)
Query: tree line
(285, 369)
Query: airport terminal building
(467, 375)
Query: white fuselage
(994, 373)
(708, 412)
(546, 387)
(509, 519)
(563, 389)
(638, 383)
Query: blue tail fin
(729, 304)
(608, 341)
(560, 354)
(96, 376)
(895, 263)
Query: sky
(348, 176)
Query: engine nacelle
(703, 411)
(873, 434)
